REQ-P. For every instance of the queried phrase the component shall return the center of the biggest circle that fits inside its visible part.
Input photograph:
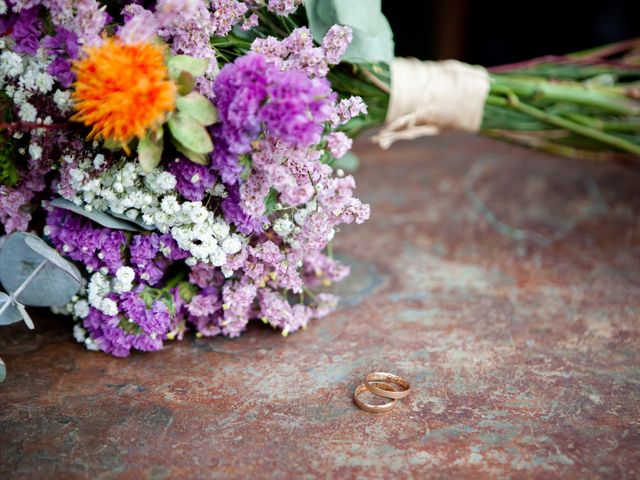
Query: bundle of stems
(583, 105)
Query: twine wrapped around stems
(429, 96)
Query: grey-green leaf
(190, 133)
(3, 371)
(150, 150)
(199, 107)
(54, 285)
(349, 162)
(185, 63)
(11, 314)
(372, 35)
(102, 218)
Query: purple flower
(193, 180)
(233, 213)
(222, 160)
(240, 89)
(297, 108)
(26, 31)
(64, 45)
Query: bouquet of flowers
(183, 157)
(193, 191)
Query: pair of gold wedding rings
(385, 385)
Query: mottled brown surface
(505, 285)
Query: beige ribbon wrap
(429, 96)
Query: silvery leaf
(349, 162)
(3, 371)
(11, 314)
(102, 218)
(372, 35)
(54, 285)
(138, 220)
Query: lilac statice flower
(235, 215)
(283, 7)
(26, 31)
(338, 144)
(80, 239)
(205, 312)
(193, 180)
(346, 109)
(297, 108)
(238, 299)
(223, 160)
(140, 24)
(64, 46)
(335, 43)
(105, 332)
(145, 251)
(252, 95)
(278, 313)
(240, 90)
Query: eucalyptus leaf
(184, 63)
(349, 162)
(3, 371)
(150, 151)
(190, 133)
(199, 107)
(53, 280)
(372, 35)
(138, 220)
(11, 314)
(102, 218)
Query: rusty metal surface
(505, 285)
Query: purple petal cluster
(64, 46)
(253, 95)
(193, 180)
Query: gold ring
(386, 407)
(385, 378)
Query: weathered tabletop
(504, 284)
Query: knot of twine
(429, 96)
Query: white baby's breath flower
(79, 333)
(28, 112)
(81, 309)
(231, 245)
(109, 307)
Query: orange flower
(122, 90)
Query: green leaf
(3, 371)
(190, 133)
(271, 201)
(187, 291)
(150, 150)
(372, 35)
(102, 218)
(199, 158)
(199, 107)
(185, 83)
(184, 63)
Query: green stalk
(586, 131)
(566, 91)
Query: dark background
(498, 32)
